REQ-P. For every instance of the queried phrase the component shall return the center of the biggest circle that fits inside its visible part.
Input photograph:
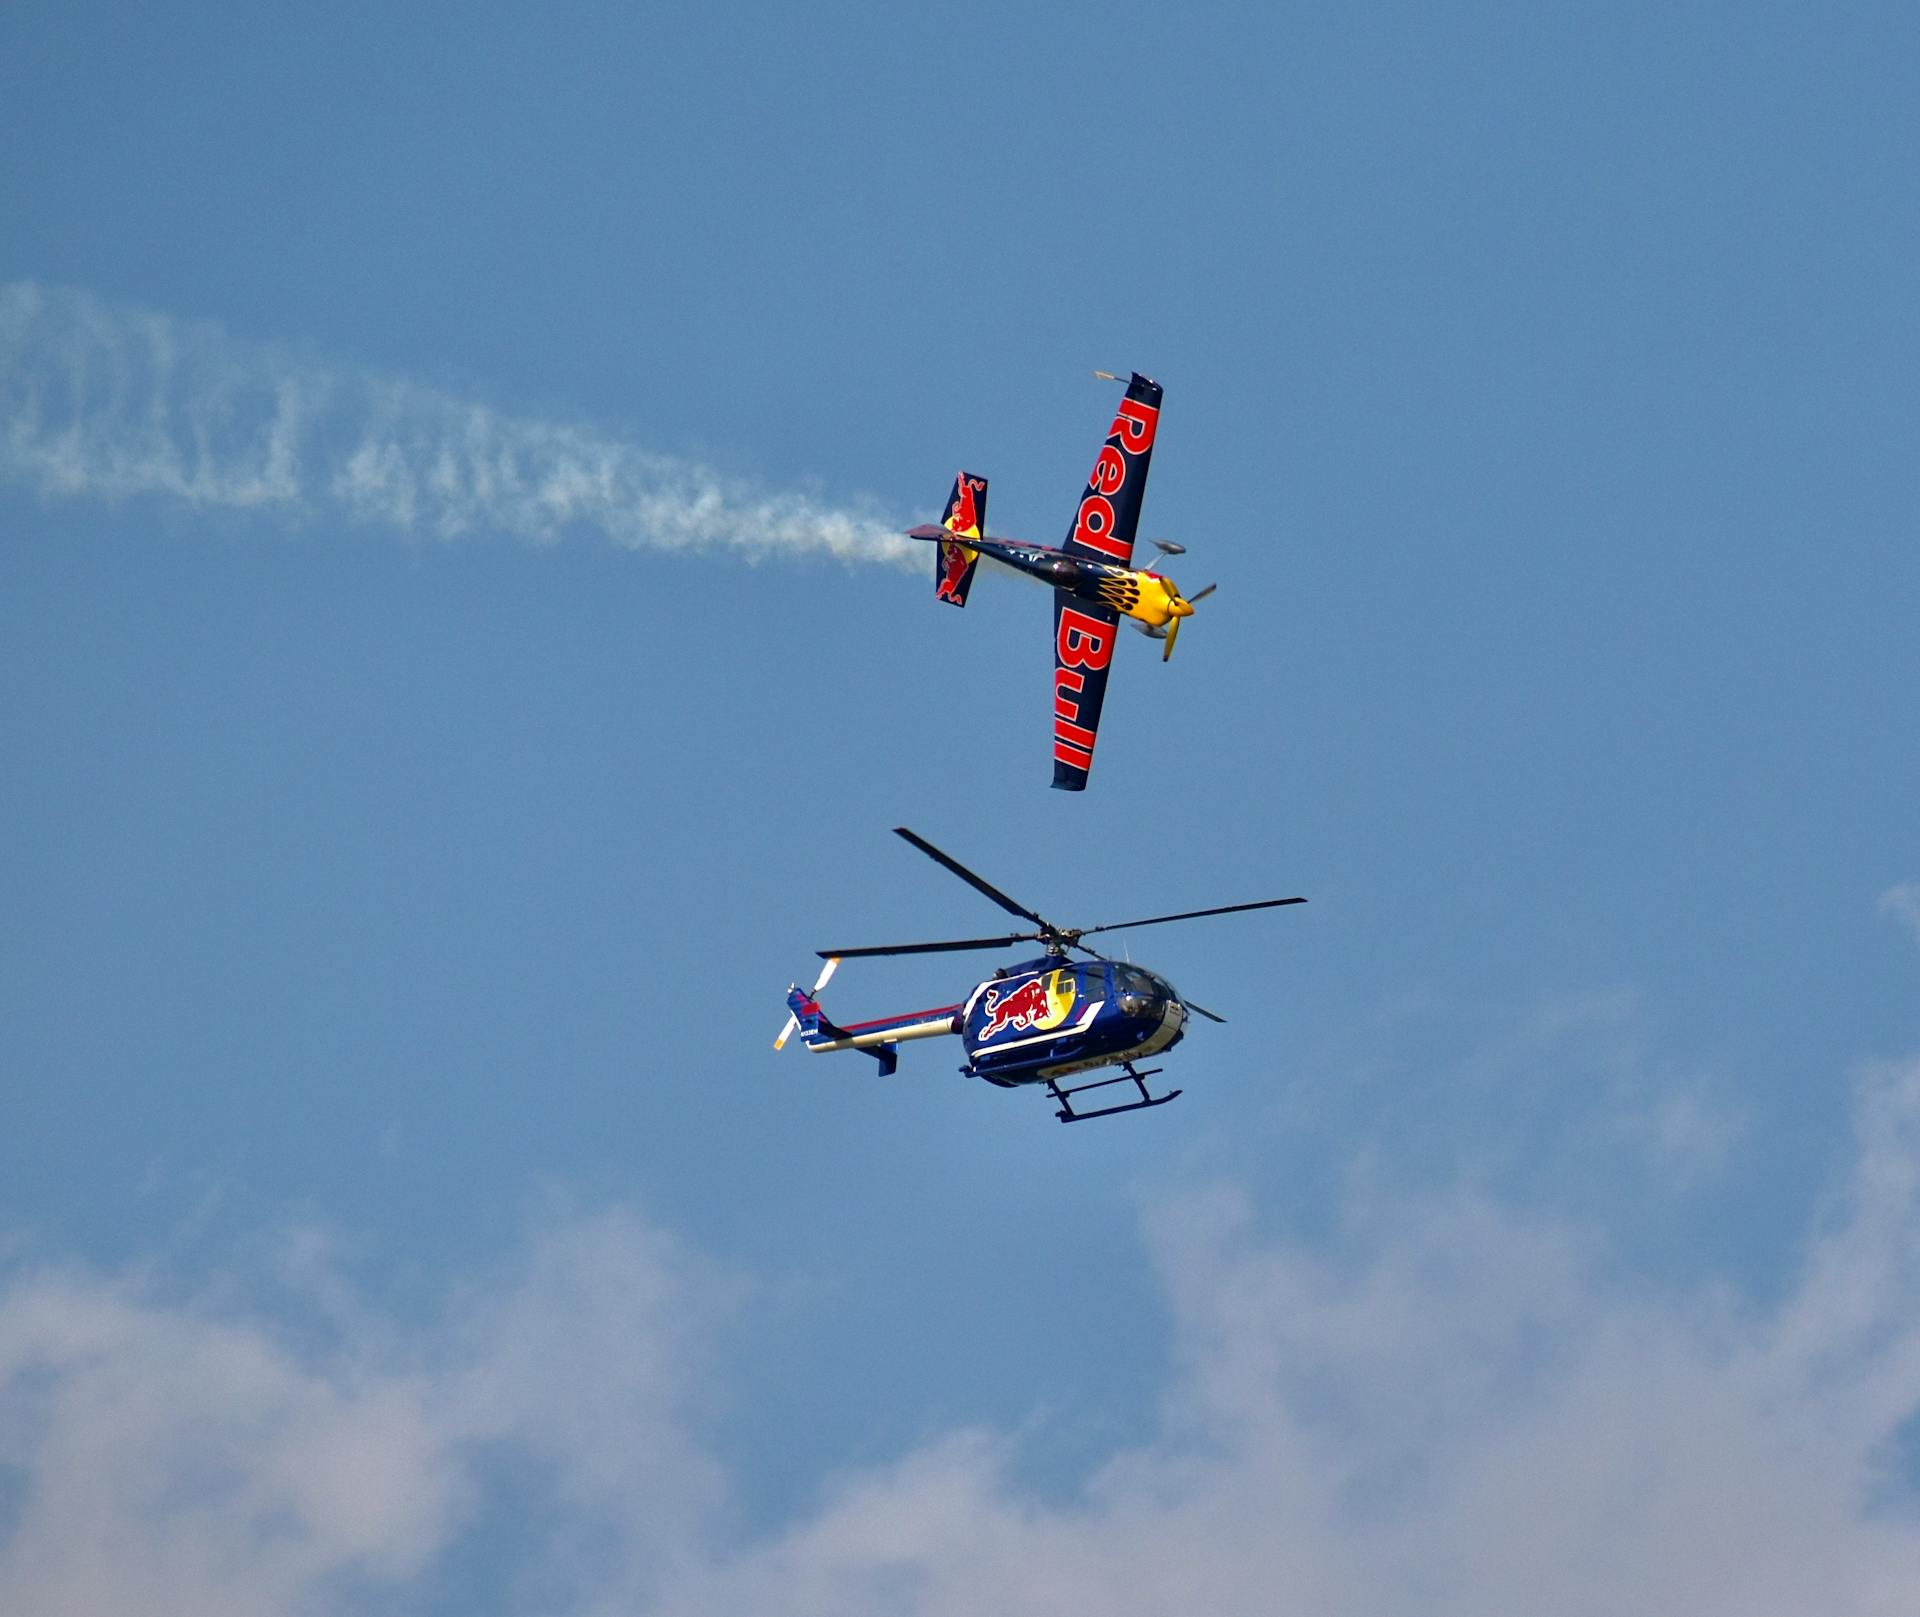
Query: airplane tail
(954, 564)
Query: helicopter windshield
(1137, 991)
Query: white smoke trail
(117, 404)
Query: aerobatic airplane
(1094, 580)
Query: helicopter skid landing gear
(1067, 1114)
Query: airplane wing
(1104, 528)
(1083, 637)
(1109, 515)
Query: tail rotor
(819, 983)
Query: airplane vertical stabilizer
(954, 564)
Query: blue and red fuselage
(1038, 1020)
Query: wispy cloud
(1903, 904)
(115, 404)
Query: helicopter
(1035, 1022)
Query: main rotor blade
(973, 881)
(1209, 1015)
(932, 948)
(1188, 915)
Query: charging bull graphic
(963, 513)
(965, 518)
(1039, 1003)
(956, 564)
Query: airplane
(1036, 1022)
(1093, 577)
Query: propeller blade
(1173, 634)
(1188, 915)
(975, 882)
(934, 948)
(1201, 595)
(1204, 1012)
(819, 983)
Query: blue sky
(400, 1208)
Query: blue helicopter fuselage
(1052, 1017)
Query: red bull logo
(954, 562)
(964, 517)
(1128, 439)
(1039, 1002)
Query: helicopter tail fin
(810, 1019)
(805, 1013)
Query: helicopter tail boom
(878, 1038)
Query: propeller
(1058, 939)
(1173, 623)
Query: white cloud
(1903, 904)
(117, 404)
(176, 1461)
(199, 1456)
(1462, 1412)
(1451, 1403)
